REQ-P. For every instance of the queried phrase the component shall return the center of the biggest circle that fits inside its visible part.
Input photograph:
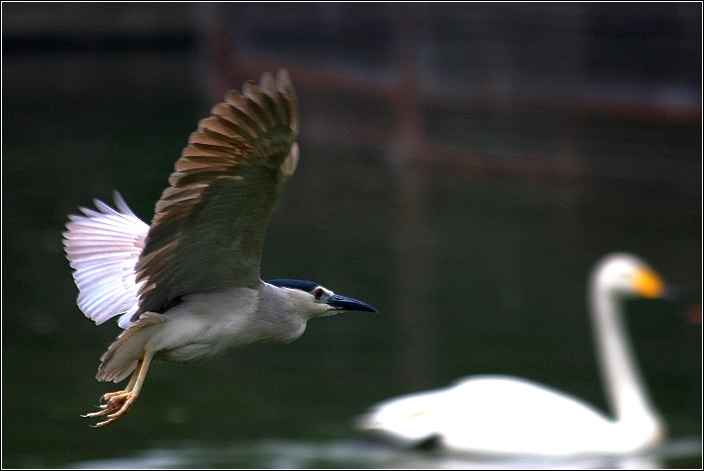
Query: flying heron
(188, 287)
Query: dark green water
(487, 275)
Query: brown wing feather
(209, 225)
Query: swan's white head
(626, 275)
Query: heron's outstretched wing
(209, 225)
(103, 247)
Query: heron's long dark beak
(348, 304)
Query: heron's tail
(128, 349)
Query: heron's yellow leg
(133, 379)
(116, 404)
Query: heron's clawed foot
(107, 396)
(113, 405)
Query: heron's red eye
(318, 293)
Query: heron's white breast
(207, 325)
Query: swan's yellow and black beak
(649, 284)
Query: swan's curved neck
(624, 386)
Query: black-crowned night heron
(504, 415)
(188, 286)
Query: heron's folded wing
(209, 225)
(103, 248)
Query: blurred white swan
(504, 415)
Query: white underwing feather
(103, 248)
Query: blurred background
(463, 166)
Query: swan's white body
(503, 415)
